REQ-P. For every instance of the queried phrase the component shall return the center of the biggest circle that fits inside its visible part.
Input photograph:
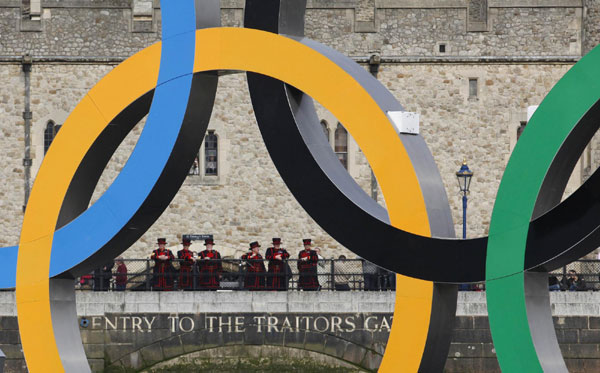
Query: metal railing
(237, 274)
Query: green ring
(529, 163)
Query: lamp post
(464, 176)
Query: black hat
(307, 241)
(254, 244)
(186, 242)
(209, 241)
(276, 240)
(161, 241)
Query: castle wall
(519, 50)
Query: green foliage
(251, 366)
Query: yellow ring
(223, 49)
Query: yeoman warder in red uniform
(163, 269)
(210, 267)
(255, 268)
(186, 266)
(277, 278)
(307, 266)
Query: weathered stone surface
(577, 322)
(454, 365)
(568, 335)
(355, 353)
(480, 322)
(465, 335)
(172, 347)
(15, 366)
(9, 323)
(248, 187)
(94, 351)
(594, 322)
(12, 351)
(589, 336)
(335, 346)
(295, 340)
(96, 365)
(152, 354)
(463, 322)
(581, 351)
(466, 350)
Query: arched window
(341, 144)
(325, 129)
(49, 134)
(211, 154)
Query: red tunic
(121, 276)
(277, 278)
(186, 269)
(255, 271)
(163, 270)
(210, 269)
(308, 270)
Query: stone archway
(256, 358)
(360, 350)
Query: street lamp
(464, 176)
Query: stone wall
(592, 24)
(139, 329)
(522, 51)
(355, 27)
(249, 200)
(472, 349)
(418, 32)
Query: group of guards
(210, 268)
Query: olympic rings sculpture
(174, 82)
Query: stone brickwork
(365, 11)
(343, 329)
(250, 201)
(417, 32)
(472, 349)
(80, 41)
(592, 24)
(480, 129)
(400, 27)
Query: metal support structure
(464, 200)
(148, 276)
(464, 176)
(27, 63)
(374, 63)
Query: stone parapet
(100, 303)
(564, 304)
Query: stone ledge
(469, 303)
(321, 4)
